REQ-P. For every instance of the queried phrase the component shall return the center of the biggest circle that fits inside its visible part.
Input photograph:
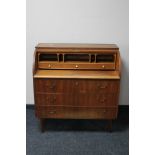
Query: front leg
(109, 125)
(42, 124)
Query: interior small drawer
(80, 65)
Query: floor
(76, 137)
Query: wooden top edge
(84, 77)
(76, 74)
(77, 46)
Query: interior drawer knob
(103, 66)
(76, 66)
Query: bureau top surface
(74, 74)
(76, 46)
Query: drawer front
(55, 99)
(76, 112)
(76, 86)
(98, 100)
(83, 99)
(99, 86)
(56, 86)
(99, 66)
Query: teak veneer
(76, 81)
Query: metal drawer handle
(47, 84)
(82, 91)
(53, 99)
(49, 99)
(53, 86)
(76, 83)
(104, 111)
(52, 112)
(103, 87)
(103, 100)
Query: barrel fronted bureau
(76, 81)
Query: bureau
(76, 81)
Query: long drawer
(75, 86)
(75, 112)
(82, 99)
(100, 66)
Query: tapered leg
(109, 125)
(42, 124)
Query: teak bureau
(76, 81)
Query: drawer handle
(103, 87)
(104, 111)
(53, 99)
(52, 112)
(47, 84)
(53, 86)
(103, 100)
(82, 91)
(76, 83)
(76, 66)
(49, 99)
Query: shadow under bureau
(76, 81)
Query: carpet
(76, 137)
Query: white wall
(78, 21)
